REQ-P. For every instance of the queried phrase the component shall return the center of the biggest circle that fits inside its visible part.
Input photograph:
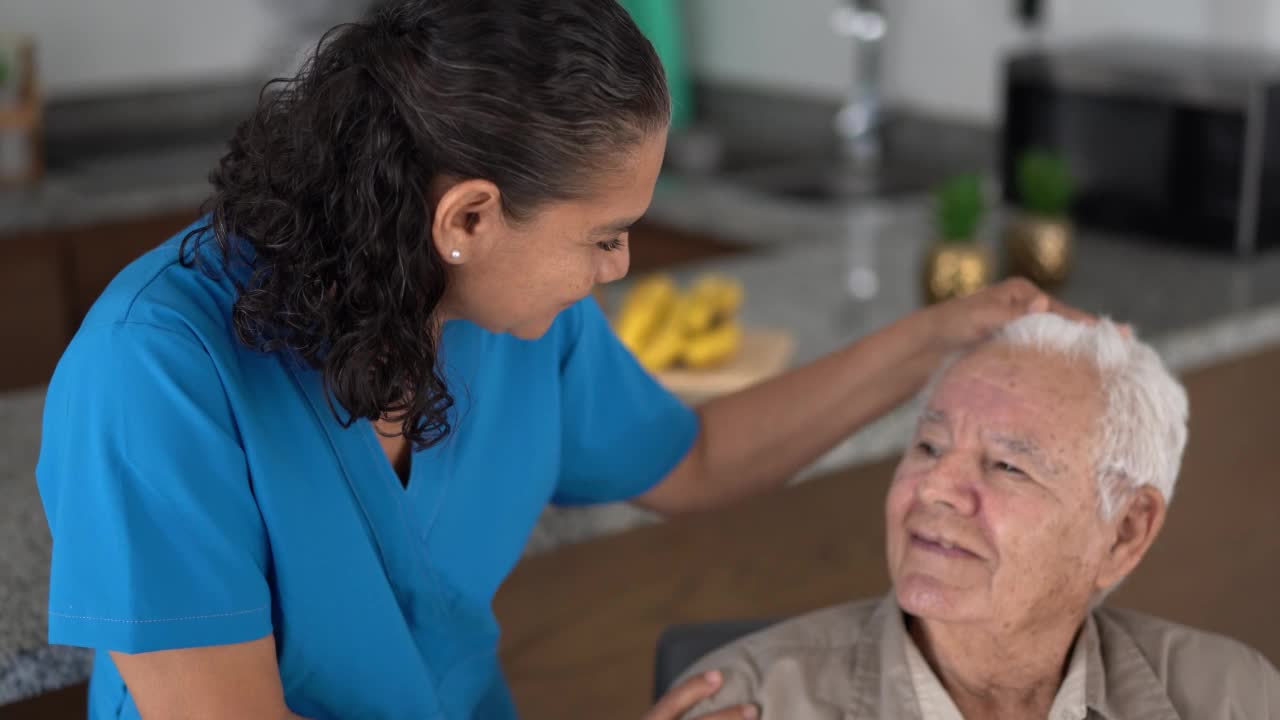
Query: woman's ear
(468, 220)
(1136, 527)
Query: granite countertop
(126, 154)
(1196, 308)
(112, 187)
(28, 665)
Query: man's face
(992, 516)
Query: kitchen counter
(28, 665)
(128, 154)
(110, 188)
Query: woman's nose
(951, 482)
(614, 266)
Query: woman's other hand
(684, 696)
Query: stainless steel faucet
(860, 119)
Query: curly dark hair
(327, 183)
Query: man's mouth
(942, 546)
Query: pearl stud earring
(455, 254)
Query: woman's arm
(754, 440)
(219, 682)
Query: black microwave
(1175, 142)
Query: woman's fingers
(1071, 313)
(684, 696)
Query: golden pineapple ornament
(957, 265)
(1039, 240)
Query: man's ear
(468, 219)
(1136, 526)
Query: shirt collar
(1068, 703)
(1071, 702)
(1118, 681)
(881, 681)
(932, 697)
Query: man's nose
(952, 482)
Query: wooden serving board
(764, 353)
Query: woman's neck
(997, 673)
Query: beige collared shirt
(852, 662)
(936, 704)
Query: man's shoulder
(809, 643)
(834, 629)
(1169, 644)
(796, 666)
(1192, 664)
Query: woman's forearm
(756, 439)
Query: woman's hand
(963, 321)
(682, 697)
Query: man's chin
(928, 598)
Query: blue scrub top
(202, 493)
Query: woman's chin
(532, 330)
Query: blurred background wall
(944, 54)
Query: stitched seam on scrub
(159, 620)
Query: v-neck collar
(371, 431)
(375, 487)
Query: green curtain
(661, 21)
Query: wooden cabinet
(35, 315)
(48, 281)
(96, 254)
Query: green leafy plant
(1045, 186)
(959, 208)
(4, 72)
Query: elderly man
(1038, 476)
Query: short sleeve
(157, 540)
(622, 431)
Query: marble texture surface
(28, 665)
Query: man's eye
(610, 245)
(927, 449)
(1005, 467)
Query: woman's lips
(942, 547)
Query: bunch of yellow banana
(665, 326)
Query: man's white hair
(1143, 429)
